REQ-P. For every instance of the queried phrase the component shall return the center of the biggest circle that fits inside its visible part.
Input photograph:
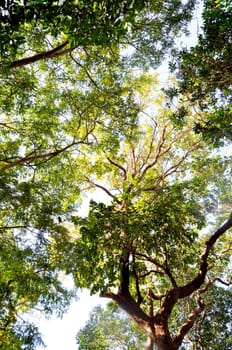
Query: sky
(59, 334)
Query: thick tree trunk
(164, 344)
(163, 339)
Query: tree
(144, 249)
(56, 29)
(38, 135)
(65, 128)
(205, 72)
(110, 329)
(83, 23)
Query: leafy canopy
(72, 119)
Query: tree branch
(136, 277)
(56, 52)
(124, 274)
(133, 163)
(152, 260)
(30, 158)
(158, 154)
(192, 317)
(12, 227)
(172, 169)
(155, 296)
(104, 189)
(86, 71)
(119, 166)
(182, 292)
(195, 284)
(133, 310)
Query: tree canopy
(129, 250)
(81, 109)
(58, 27)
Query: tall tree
(111, 328)
(71, 123)
(144, 249)
(39, 132)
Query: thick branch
(56, 52)
(195, 284)
(124, 274)
(167, 270)
(139, 296)
(164, 312)
(131, 307)
(182, 292)
(149, 344)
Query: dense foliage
(56, 28)
(79, 113)
(205, 72)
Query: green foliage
(31, 24)
(158, 219)
(95, 22)
(110, 329)
(43, 131)
(28, 279)
(23, 336)
(204, 72)
(215, 322)
(76, 123)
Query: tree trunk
(163, 339)
(149, 344)
(162, 344)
